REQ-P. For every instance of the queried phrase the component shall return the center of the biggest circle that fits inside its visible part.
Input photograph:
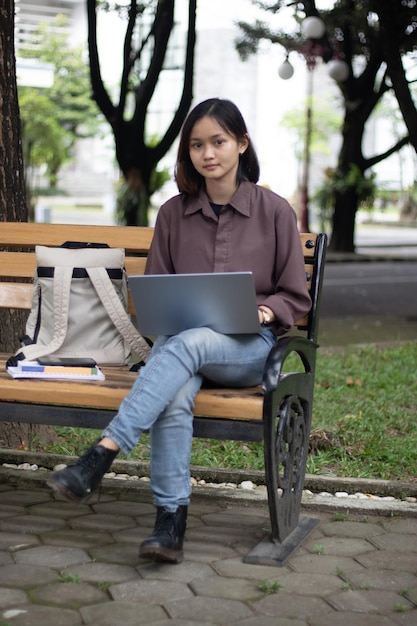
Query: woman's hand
(266, 315)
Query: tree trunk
(12, 186)
(13, 206)
(137, 157)
(342, 238)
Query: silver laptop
(167, 304)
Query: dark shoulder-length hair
(228, 116)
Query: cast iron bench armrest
(283, 348)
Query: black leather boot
(79, 480)
(165, 543)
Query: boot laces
(88, 461)
(166, 522)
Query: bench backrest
(18, 263)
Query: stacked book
(70, 369)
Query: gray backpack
(79, 307)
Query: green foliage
(54, 118)
(325, 123)
(268, 587)
(338, 183)
(136, 202)
(364, 401)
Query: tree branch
(187, 93)
(100, 94)
(380, 157)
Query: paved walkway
(64, 565)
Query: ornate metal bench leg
(287, 428)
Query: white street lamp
(338, 70)
(285, 70)
(313, 28)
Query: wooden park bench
(278, 412)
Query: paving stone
(11, 597)
(183, 572)
(22, 576)
(398, 525)
(368, 601)
(233, 537)
(351, 619)
(203, 610)
(69, 595)
(149, 591)
(133, 535)
(103, 572)
(122, 613)
(388, 559)
(271, 621)
(77, 538)
(392, 541)
(103, 522)
(31, 524)
(411, 592)
(33, 615)
(320, 585)
(101, 495)
(406, 619)
(116, 553)
(5, 558)
(59, 508)
(52, 556)
(356, 572)
(25, 498)
(292, 606)
(227, 520)
(206, 552)
(182, 622)
(16, 541)
(129, 508)
(202, 507)
(10, 510)
(351, 529)
(227, 588)
(235, 568)
(381, 579)
(340, 546)
(325, 564)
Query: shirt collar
(240, 201)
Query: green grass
(363, 419)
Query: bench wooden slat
(28, 234)
(234, 403)
(16, 295)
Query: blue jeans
(162, 399)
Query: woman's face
(214, 152)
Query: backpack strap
(114, 307)
(62, 288)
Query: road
(369, 303)
(360, 289)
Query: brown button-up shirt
(256, 232)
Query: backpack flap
(68, 317)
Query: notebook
(167, 304)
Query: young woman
(221, 221)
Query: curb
(320, 493)
(313, 482)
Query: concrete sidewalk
(64, 565)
